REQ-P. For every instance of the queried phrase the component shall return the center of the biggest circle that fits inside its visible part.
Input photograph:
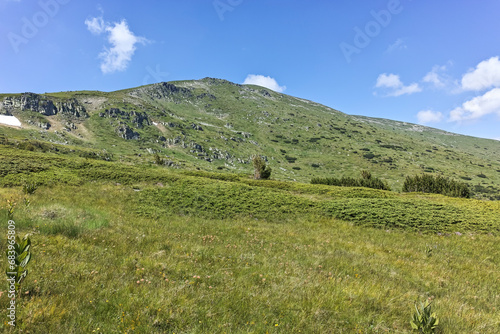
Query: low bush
(366, 181)
(436, 185)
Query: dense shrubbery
(436, 185)
(366, 181)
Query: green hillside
(214, 124)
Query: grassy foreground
(138, 249)
(110, 258)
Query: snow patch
(9, 120)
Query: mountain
(215, 125)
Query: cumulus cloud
(486, 75)
(393, 85)
(264, 81)
(429, 116)
(480, 106)
(121, 40)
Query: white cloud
(122, 40)
(393, 85)
(485, 75)
(399, 44)
(388, 80)
(480, 106)
(96, 25)
(436, 77)
(264, 81)
(429, 116)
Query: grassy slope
(138, 249)
(278, 126)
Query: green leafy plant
(29, 188)
(428, 251)
(18, 256)
(11, 205)
(424, 320)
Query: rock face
(127, 133)
(71, 108)
(43, 105)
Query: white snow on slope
(9, 120)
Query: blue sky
(428, 62)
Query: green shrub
(366, 181)
(261, 171)
(369, 156)
(436, 185)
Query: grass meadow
(102, 265)
(124, 249)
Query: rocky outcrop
(71, 108)
(137, 118)
(196, 127)
(43, 105)
(206, 95)
(42, 125)
(127, 133)
(265, 93)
